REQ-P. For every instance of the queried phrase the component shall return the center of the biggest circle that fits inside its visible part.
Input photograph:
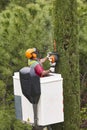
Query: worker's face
(34, 55)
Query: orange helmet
(30, 53)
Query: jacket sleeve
(38, 69)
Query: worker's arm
(43, 60)
(45, 73)
(39, 70)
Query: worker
(36, 63)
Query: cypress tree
(66, 36)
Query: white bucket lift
(50, 106)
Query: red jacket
(37, 66)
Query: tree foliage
(82, 13)
(21, 27)
(66, 35)
(28, 23)
(3, 4)
(82, 10)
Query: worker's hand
(52, 69)
(48, 55)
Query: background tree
(66, 35)
(20, 28)
(82, 12)
(28, 23)
(82, 9)
(3, 4)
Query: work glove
(52, 69)
(48, 54)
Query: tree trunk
(66, 36)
